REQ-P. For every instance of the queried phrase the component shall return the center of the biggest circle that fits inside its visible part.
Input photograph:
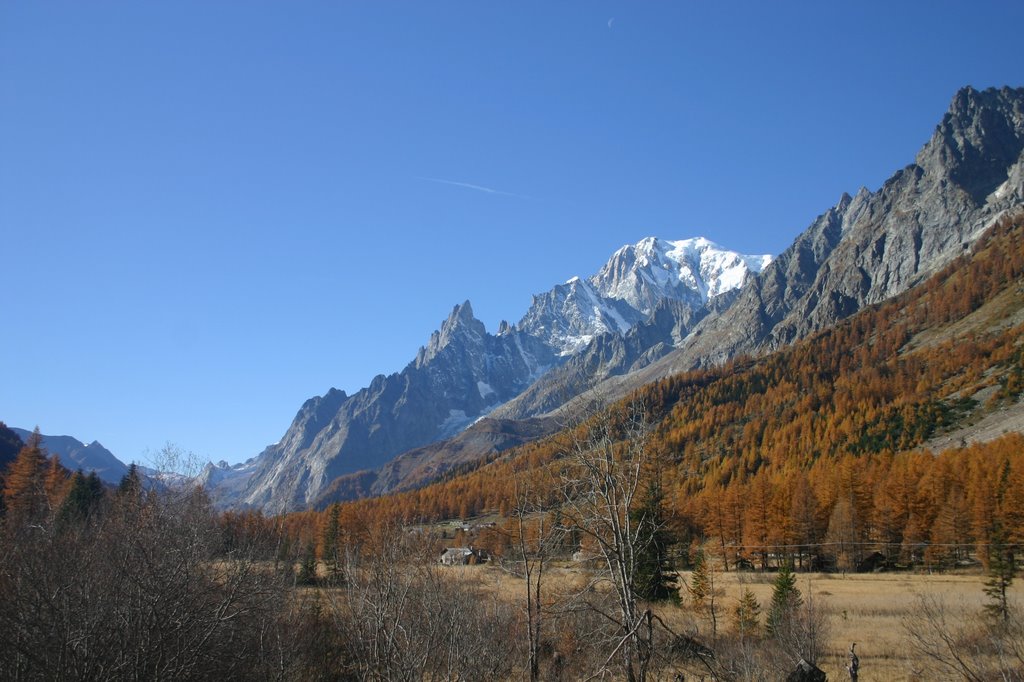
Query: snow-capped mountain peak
(641, 274)
(631, 284)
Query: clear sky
(212, 211)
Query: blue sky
(212, 211)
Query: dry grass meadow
(869, 609)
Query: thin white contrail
(468, 185)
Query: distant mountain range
(657, 307)
(74, 454)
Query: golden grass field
(869, 609)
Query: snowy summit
(643, 273)
(630, 285)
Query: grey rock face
(612, 354)
(923, 216)
(978, 141)
(422, 465)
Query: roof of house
(457, 551)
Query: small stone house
(462, 556)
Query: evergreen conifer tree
(82, 499)
(1001, 571)
(786, 599)
(747, 615)
(329, 539)
(655, 577)
(131, 483)
(307, 566)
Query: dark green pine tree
(329, 550)
(1002, 564)
(83, 498)
(131, 483)
(786, 599)
(307, 567)
(10, 446)
(1001, 571)
(655, 578)
(129, 499)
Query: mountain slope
(426, 464)
(873, 246)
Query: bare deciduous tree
(600, 480)
(534, 541)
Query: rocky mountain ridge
(872, 246)
(74, 454)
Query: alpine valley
(656, 308)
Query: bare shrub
(403, 617)
(980, 650)
(136, 591)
